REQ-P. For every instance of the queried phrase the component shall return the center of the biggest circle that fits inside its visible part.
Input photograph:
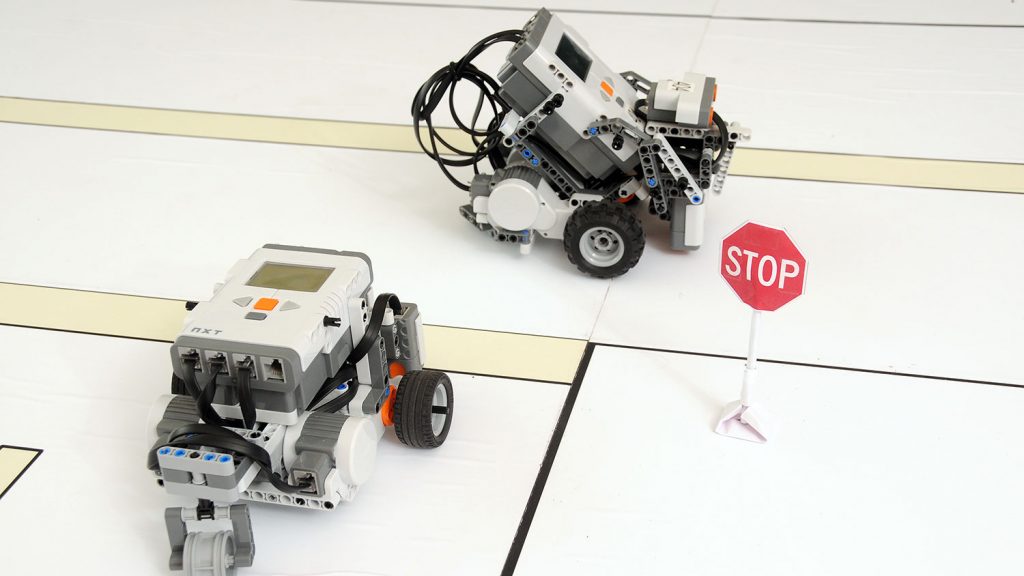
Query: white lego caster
(209, 554)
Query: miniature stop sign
(763, 266)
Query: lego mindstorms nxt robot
(283, 384)
(572, 143)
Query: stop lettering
(763, 266)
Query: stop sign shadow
(763, 266)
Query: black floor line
(23, 470)
(812, 365)
(517, 378)
(668, 14)
(545, 468)
(85, 333)
(512, 332)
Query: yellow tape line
(14, 461)
(502, 354)
(854, 169)
(391, 137)
(885, 170)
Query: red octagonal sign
(763, 266)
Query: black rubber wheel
(604, 239)
(423, 408)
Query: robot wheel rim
(437, 419)
(602, 247)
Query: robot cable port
(212, 433)
(442, 83)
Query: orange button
(265, 304)
(607, 88)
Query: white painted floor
(920, 91)
(868, 474)
(898, 279)
(167, 216)
(90, 499)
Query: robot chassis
(582, 142)
(284, 382)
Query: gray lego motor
(570, 139)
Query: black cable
(442, 83)
(347, 373)
(204, 396)
(372, 333)
(245, 400)
(723, 132)
(210, 436)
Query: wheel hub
(440, 400)
(601, 246)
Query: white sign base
(745, 423)
(740, 419)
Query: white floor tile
(84, 400)
(868, 474)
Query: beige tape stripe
(13, 461)
(960, 175)
(854, 169)
(504, 354)
(391, 137)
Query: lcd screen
(290, 277)
(573, 57)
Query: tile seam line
(710, 16)
(550, 454)
(409, 127)
(956, 379)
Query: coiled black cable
(442, 83)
